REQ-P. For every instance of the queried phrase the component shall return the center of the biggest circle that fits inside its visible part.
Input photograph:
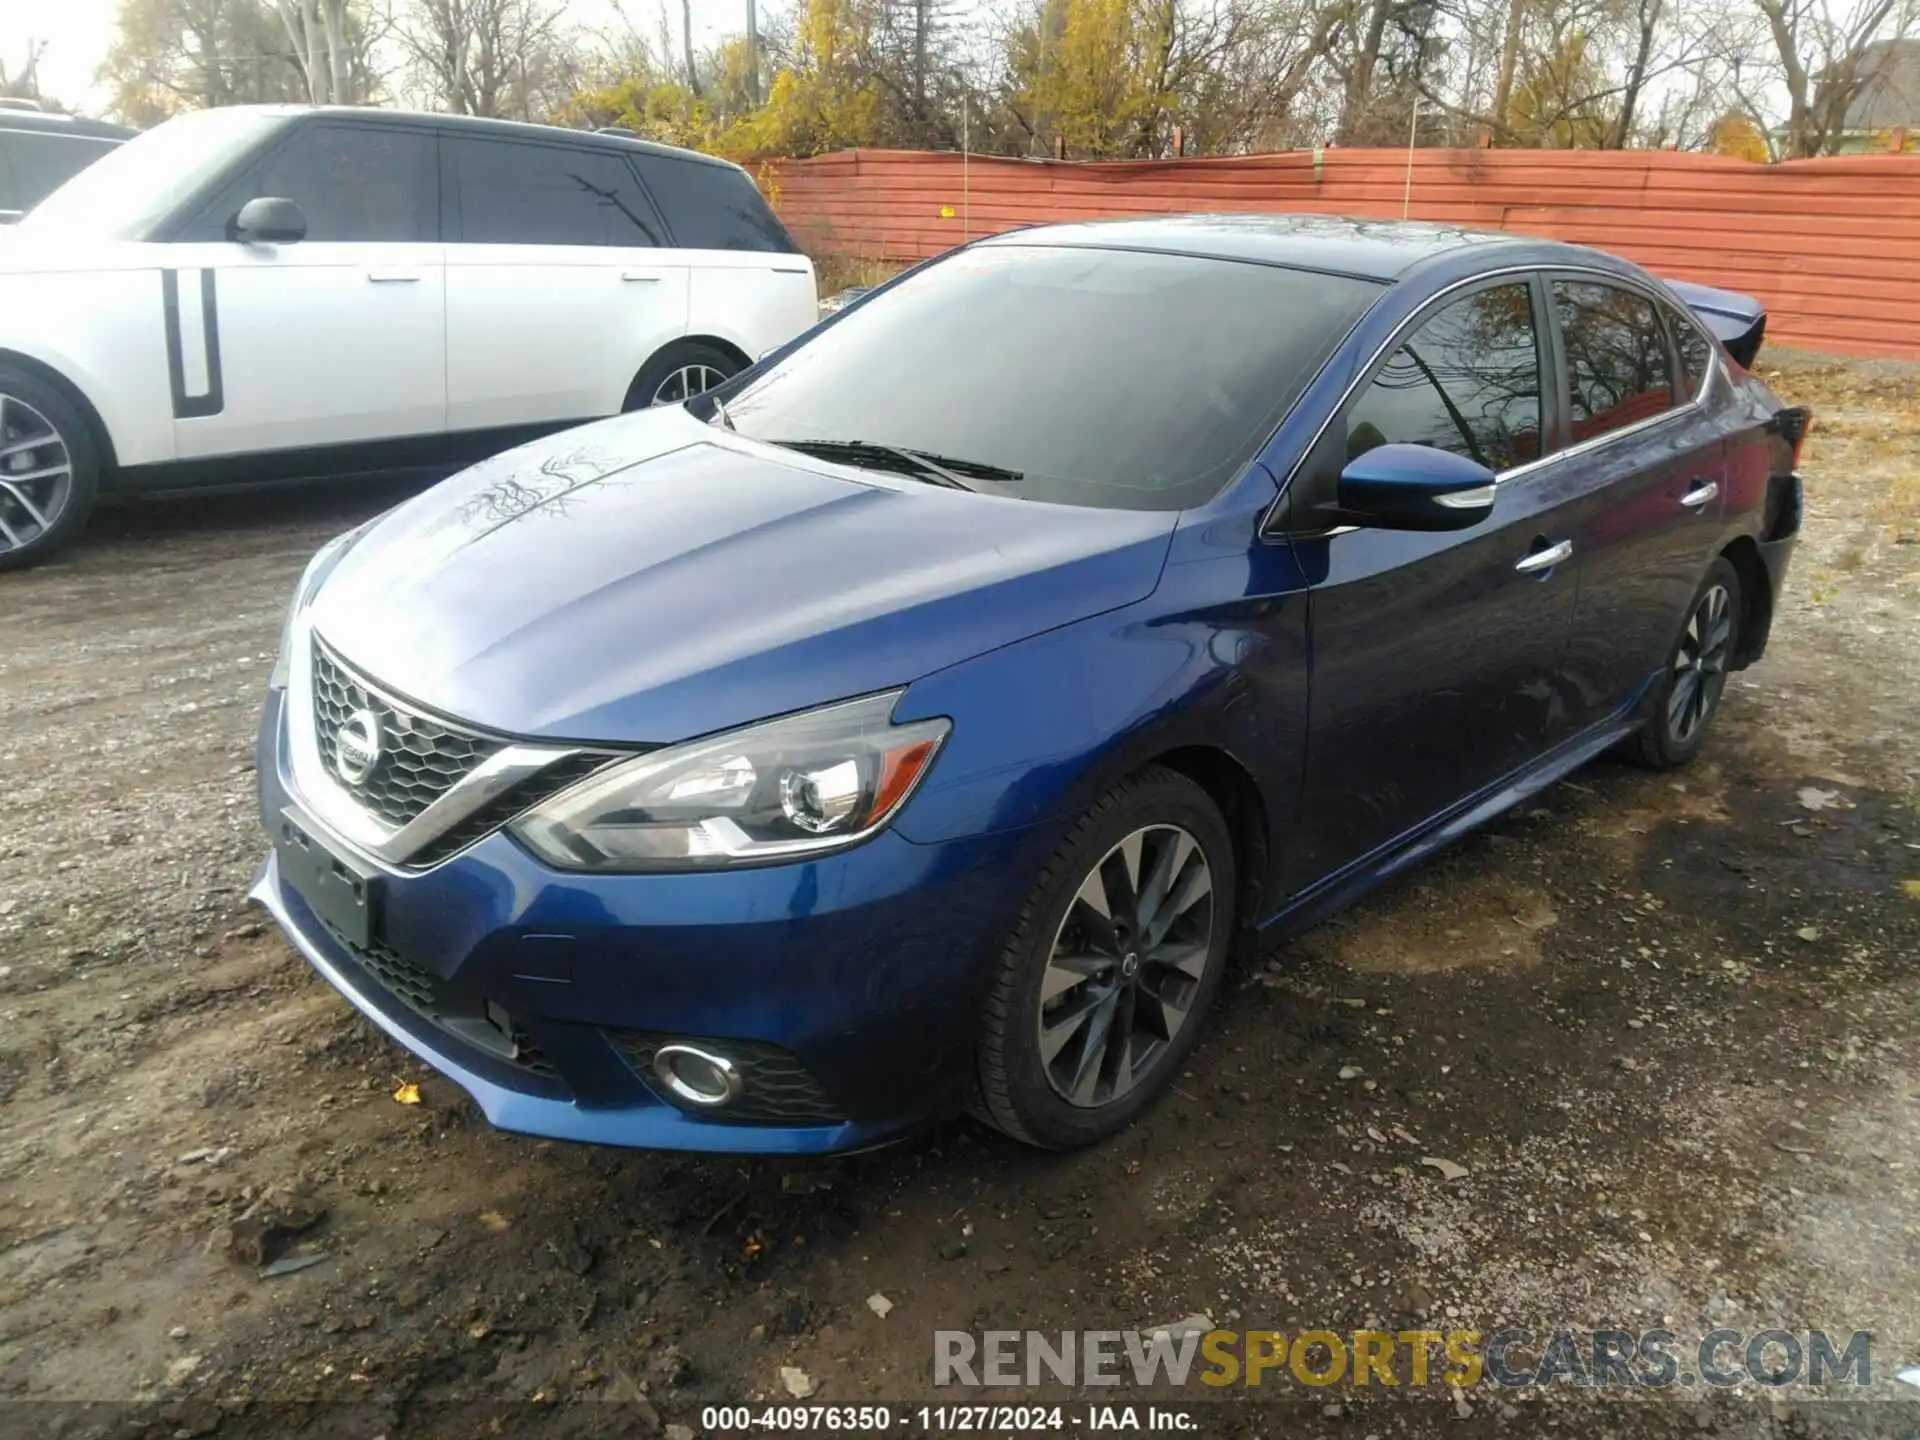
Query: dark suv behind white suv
(40, 152)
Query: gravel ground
(1667, 1026)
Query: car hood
(649, 579)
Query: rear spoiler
(1737, 321)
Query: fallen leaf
(1910, 889)
(1809, 933)
(289, 1265)
(1447, 1168)
(799, 1384)
(1349, 1072)
(879, 1304)
(494, 1220)
(1812, 798)
(407, 1093)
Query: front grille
(420, 759)
(411, 985)
(484, 821)
(420, 991)
(776, 1088)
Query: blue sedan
(928, 717)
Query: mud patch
(1499, 925)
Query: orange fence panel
(1830, 246)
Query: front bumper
(850, 983)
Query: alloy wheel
(36, 474)
(685, 383)
(1126, 965)
(1700, 664)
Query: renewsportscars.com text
(1514, 1356)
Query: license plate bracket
(343, 894)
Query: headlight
(786, 789)
(311, 579)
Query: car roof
(43, 122)
(502, 129)
(1380, 250)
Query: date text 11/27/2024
(944, 1419)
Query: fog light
(697, 1076)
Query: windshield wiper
(935, 469)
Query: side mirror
(268, 220)
(1415, 487)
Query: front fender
(1216, 659)
(104, 333)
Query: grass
(840, 272)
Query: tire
(1063, 1092)
(1682, 707)
(42, 434)
(681, 361)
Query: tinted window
(1695, 351)
(354, 183)
(1109, 378)
(8, 198)
(711, 207)
(1618, 373)
(42, 163)
(1467, 381)
(514, 194)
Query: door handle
(641, 277)
(1701, 493)
(394, 277)
(1544, 559)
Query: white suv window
(711, 207)
(513, 193)
(355, 183)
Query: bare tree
(686, 45)
(321, 34)
(1822, 49)
(508, 59)
(25, 85)
(174, 55)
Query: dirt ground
(1670, 1027)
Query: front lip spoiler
(655, 1127)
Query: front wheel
(1687, 696)
(1110, 971)
(49, 469)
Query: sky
(78, 32)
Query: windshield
(1112, 378)
(123, 194)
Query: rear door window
(514, 193)
(1467, 381)
(711, 207)
(1618, 370)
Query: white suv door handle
(1700, 494)
(641, 277)
(393, 277)
(1544, 559)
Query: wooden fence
(1831, 246)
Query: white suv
(258, 294)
